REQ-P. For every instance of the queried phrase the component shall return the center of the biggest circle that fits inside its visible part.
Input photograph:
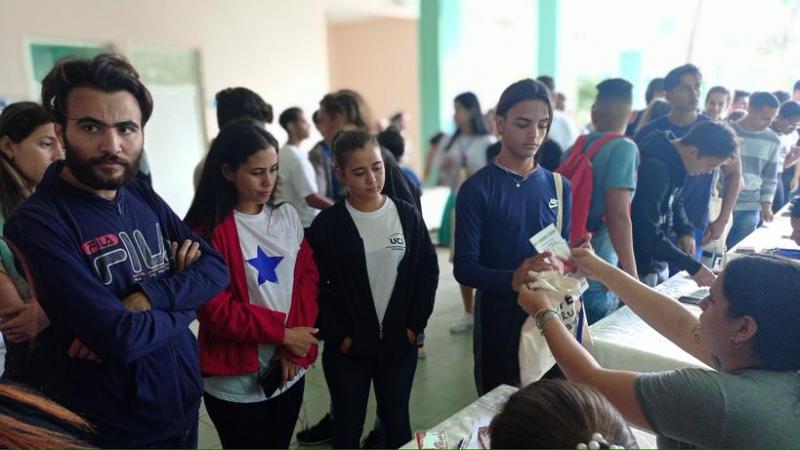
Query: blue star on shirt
(266, 266)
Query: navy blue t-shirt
(697, 190)
(495, 219)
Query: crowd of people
(283, 249)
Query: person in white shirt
(562, 129)
(297, 184)
(457, 158)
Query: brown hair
(347, 142)
(105, 72)
(17, 122)
(16, 433)
(558, 414)
(351, 106)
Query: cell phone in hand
(271, 378)
(695, 297)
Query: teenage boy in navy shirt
(97, 243)
(497, 210)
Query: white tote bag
(535, 358)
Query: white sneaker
(463, 324)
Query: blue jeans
(598, 300)
(744, 223)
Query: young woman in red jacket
(256, 337)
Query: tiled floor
(443, 383)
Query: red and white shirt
(269, 243)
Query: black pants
(780, 195)
(267, 424)
(349, 381)
(498, 325)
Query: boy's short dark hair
(548, 81)
(790, 109)
(712, 139)
(615, 89)
(782, 96)
(656, 84)
(241, 103)
(288, 116)
(392, 140)
(673, 78)
(738, 93)
(105, 72)
(760, 100)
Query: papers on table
(431, 439)
(480, 433)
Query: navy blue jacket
(86, 254)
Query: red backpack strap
(579, 143)
(573, 157)
(600, 142)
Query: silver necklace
(513, 175)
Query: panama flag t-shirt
(270, 241)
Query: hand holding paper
(526, 272)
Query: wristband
(543, 316)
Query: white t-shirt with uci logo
(384, 247)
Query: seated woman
(747, 331)
(559, 414)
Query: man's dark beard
(83, 169)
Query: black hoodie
(661, 178)
(345, 299)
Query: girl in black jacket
(378, 278)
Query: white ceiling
(353, 10)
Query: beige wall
(378, 57)
(277, 48)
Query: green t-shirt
(613, 167)
(7, 259)
(704, 408)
